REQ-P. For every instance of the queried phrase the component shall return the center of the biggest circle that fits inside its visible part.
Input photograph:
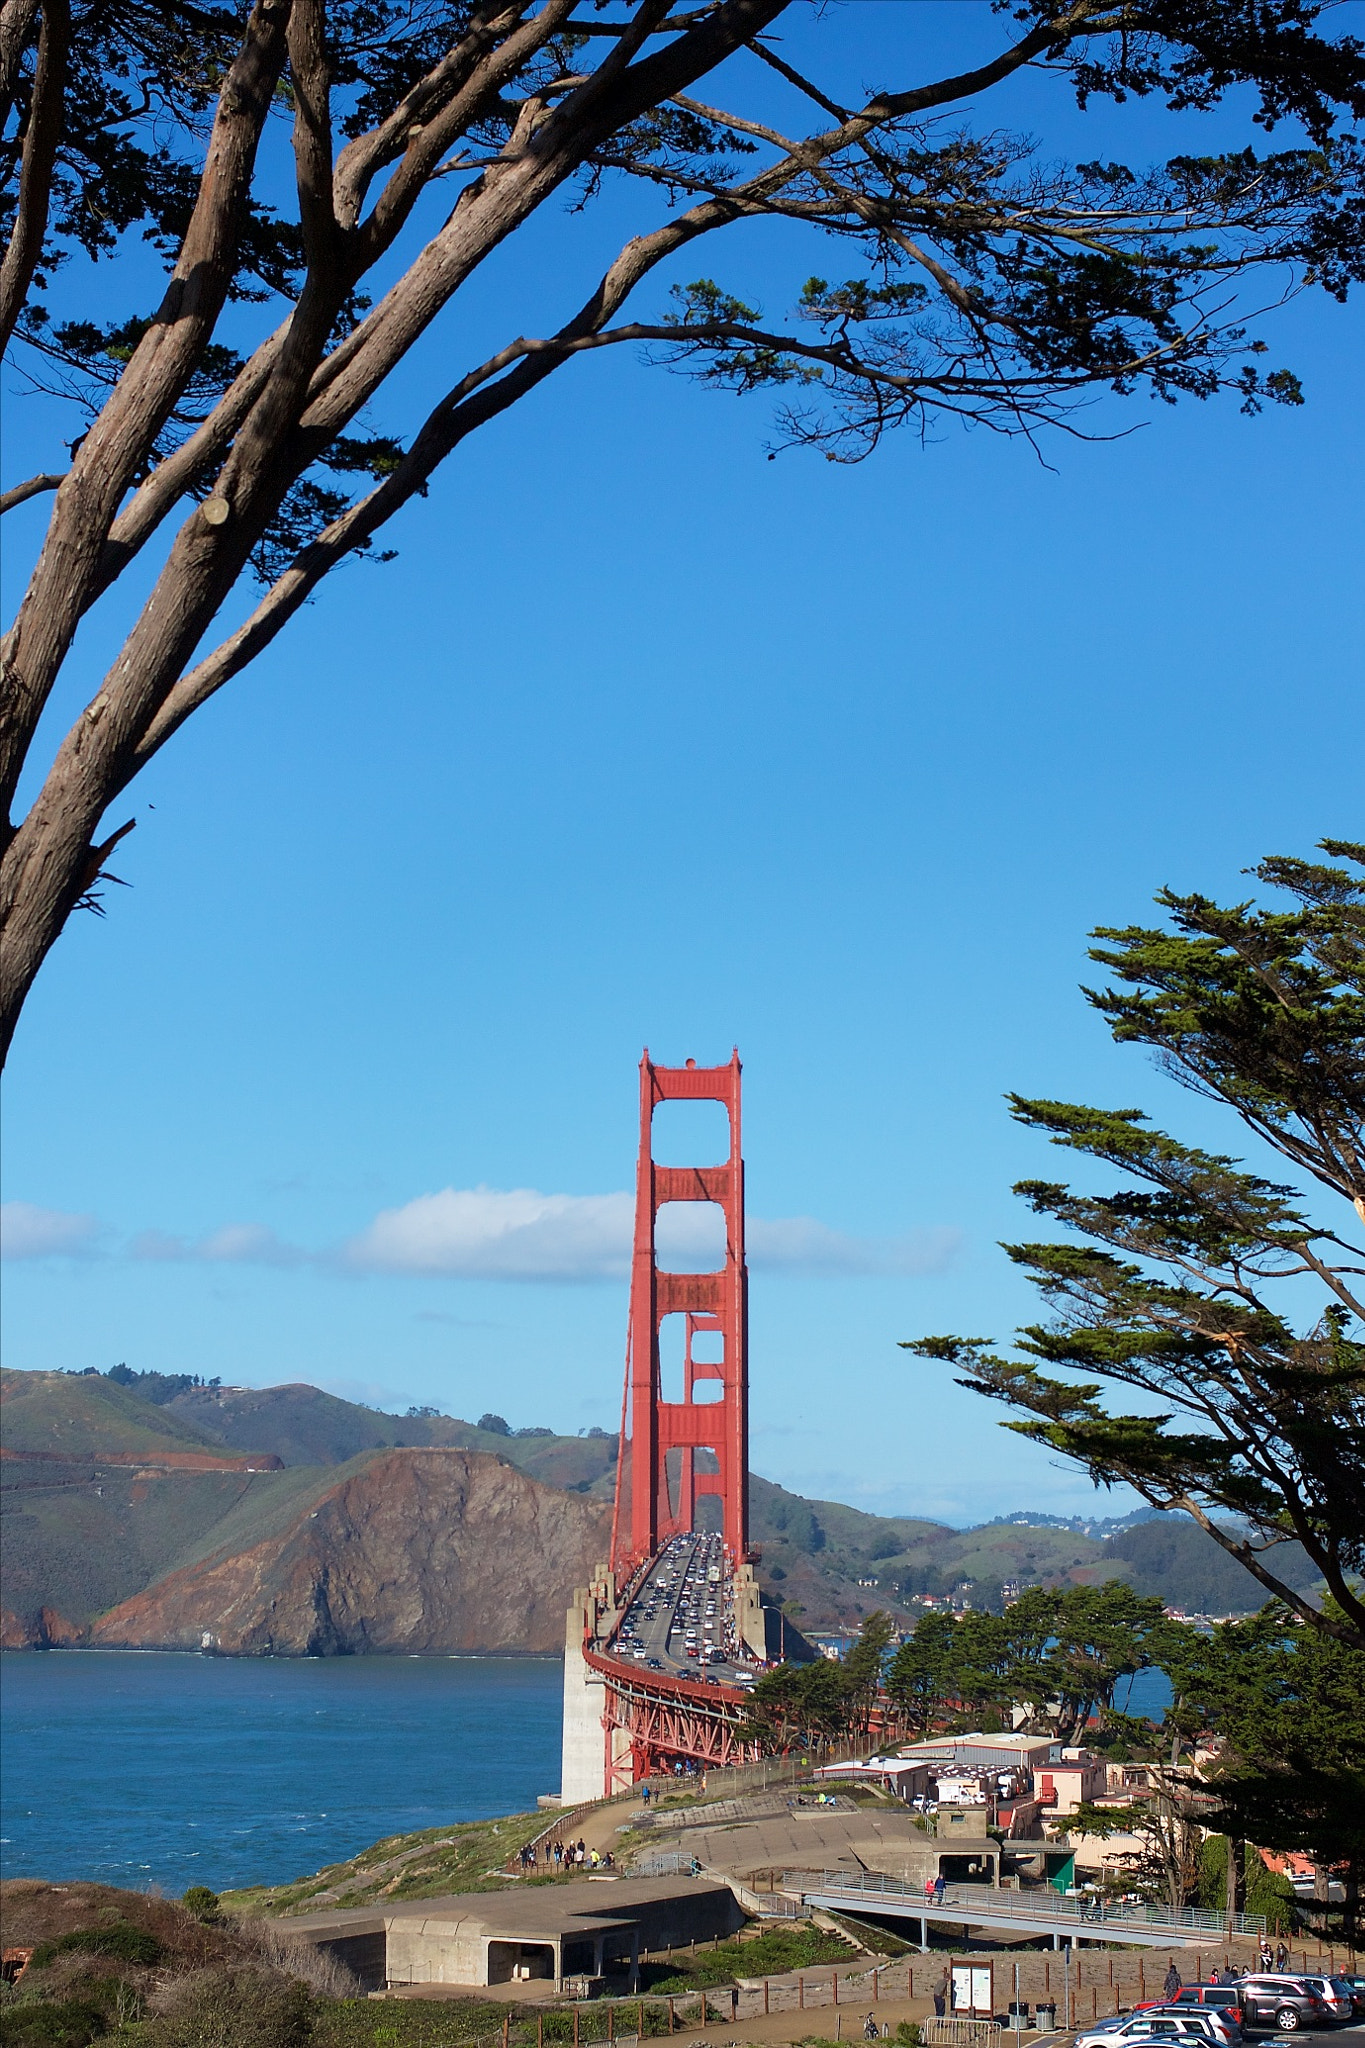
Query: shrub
(200, 1901)
(72, 2024)
(233, 2008)
(126, 1944)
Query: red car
(1226, 1997)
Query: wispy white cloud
(513, 1234)
(494, 1234)
(490, 1234)
(799, 1244)
(249, 1244)
(28, 1232)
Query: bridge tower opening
(663, 1469)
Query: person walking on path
(940, 1887)
(1282, 1957)
(1173, 1980)
(941, 1995)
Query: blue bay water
(143, 1769)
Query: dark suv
(1284, 2003)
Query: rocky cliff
(422, 1551)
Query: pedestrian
(941, 1995)
(940, 1887)
(1173, 1981)
(1267, 1959)
(871, 2030)
(1281, 1957)
(928, 1891)
(645, 1795)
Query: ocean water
(1146, 1694)
(171, 1770)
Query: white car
(1151, 2026)
(1335, 1995)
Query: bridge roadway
(680, 1622)
(1033, 1912)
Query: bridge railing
(968, 1900)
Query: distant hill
(305, 1426)
(1173, 1558)
(91, 1545)
(82, 1413)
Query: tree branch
(124, 432)
(19, 494)
(41, 136)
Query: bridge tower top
(657, 1477)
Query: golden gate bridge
(663, 1645)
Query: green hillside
(305, 1426)
(1172, 1557)
(77, 1414)
(79, 1538)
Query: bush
(200, 1901)
(126, 1944)
(70, 2025)
(233, 2008)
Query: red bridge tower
(655, 1497)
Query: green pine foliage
(1186, 1285)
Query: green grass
(766, 1954)
(436, 1860)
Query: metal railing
(985, 1901)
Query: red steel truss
(665, 1718)
(717, 1302)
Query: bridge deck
(1033, 1912)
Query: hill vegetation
(89, 1541)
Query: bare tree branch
(19, 494)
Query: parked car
(1357, 1985)
(1285, 2003)
(1142, 2027)
(1215, 2023)
(1216, 1997)
(1335, 1995)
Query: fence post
(876, 1980)
(640, 2022)
(834, 1981)
(540, 2030)
(506, 2028)
(670, 2015)
(801, 1994)
(611, 2026)
(575, 2023)
(765, 1998)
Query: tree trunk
(1237, 1867)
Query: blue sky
(644, 739)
